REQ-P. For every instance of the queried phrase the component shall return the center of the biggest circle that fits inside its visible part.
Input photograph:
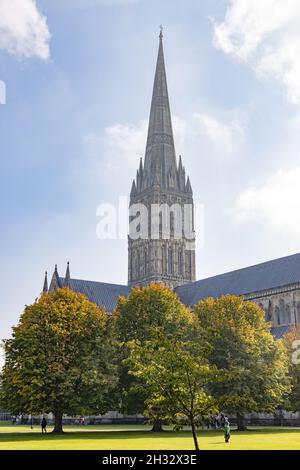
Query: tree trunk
(157, 426)
(241, 426)
(194, 434)
(58, 425)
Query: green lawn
(112, 437)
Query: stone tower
(161, 245)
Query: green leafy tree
(59, 359)
(292, 343)
(254, 365)
(176, 378)
(146, 309)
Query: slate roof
(102, 293)
(279, 331)
(268, 275)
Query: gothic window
(282, 311)
(298, 312)
(160, 224)
(188, 258)
(288, 316)
(138, 264)
(269, 311)
(145, 262)
(172, 224)
(131, 266)
(179, 262)
(163, 259)
(277, 315)
(135, 265)
(170, 261)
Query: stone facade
(282, 304)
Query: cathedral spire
(67, 277)
(56, 276)
(160, 160)
(133, 189)
(45, 286)
(160, 181)
(188, 186)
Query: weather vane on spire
(161, 31)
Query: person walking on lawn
(44, 425)
(226, 430)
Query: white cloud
(275, 205)
(127, 141)
(112, 156)
(23, 29)
(116, 149)
(266, 35)
(180, 130)
(123, 144)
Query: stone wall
(282, 305)
(168, 259)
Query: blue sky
(79, 77)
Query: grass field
(125, 437)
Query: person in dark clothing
(44, 425)
(226, 430)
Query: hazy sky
(79, 76)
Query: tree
(175, 377)
(292, 343)
(147, 309)
(253, 364)
(59, 359)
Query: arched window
(298, 312)
(134, 264)
(269, 313)
(180, 262)
(163, 259)
(282, 311)
(172, 224)
(145, 262)
(288, 316)
(160, 225)
(277, 315)
(138, 259)
(188, 262)
(131, 270)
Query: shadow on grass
(266, 430)
(90, 435)
(104, 435)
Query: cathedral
(167, 254)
